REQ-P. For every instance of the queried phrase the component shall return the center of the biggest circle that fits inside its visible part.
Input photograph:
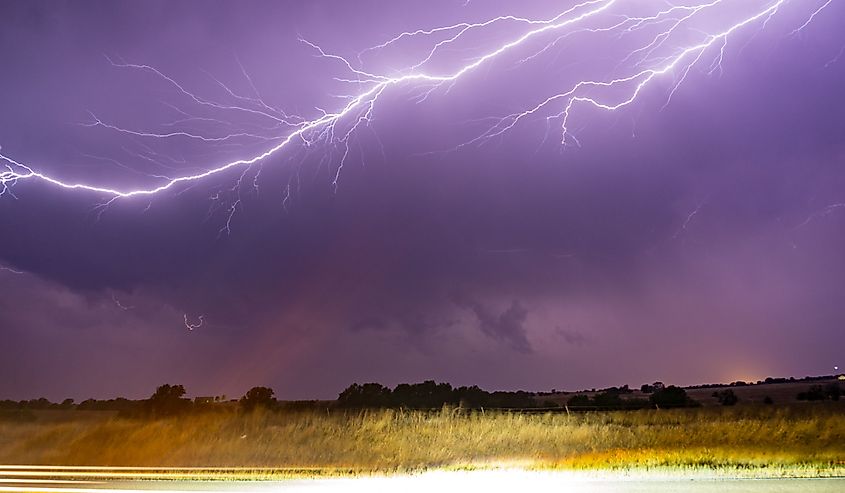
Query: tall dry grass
(388, 440)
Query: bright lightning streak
(99, 123)
(639, 79)
(280, 118)
(655, 57)
(811, 17)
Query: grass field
(792, 440)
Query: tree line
(659, 396)
(169, 400)
(433, 395)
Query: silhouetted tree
(671, 396)
(472, 397)
(425, 395)
(40, 403)
(119, 404)
(512, 400)
(258, 397)
(168, 400)
(432, 395)
(366, 395)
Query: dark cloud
(573, 337)
(508, 326)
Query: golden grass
(807, 438)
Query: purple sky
(696, 241)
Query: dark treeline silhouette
(433, 395)
(766, 381)
(660, 396)
(38, 404)
(169, 400)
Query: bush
(579, 401)
(818, 393)
(607, 400)
(672, 396)
(815, 393)
(726, 397)
(833, 391)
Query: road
(104, 480)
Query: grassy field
(803, 440)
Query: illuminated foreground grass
(806, 441)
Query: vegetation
(726, 397)
(432, 395)
(810, 436)
(258, 397)
(672, 396)
(607, 400)
(170, 400)
(167, 400)
(372, 428)
(819, 393)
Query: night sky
(694, 235)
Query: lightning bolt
(811, 17)
(194, 325)
(119, 304)
(666, 39)
(828, 210)
(4, 268)
(690, 218)
(835, 59)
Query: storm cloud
(693, 241)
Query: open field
(801, 440)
